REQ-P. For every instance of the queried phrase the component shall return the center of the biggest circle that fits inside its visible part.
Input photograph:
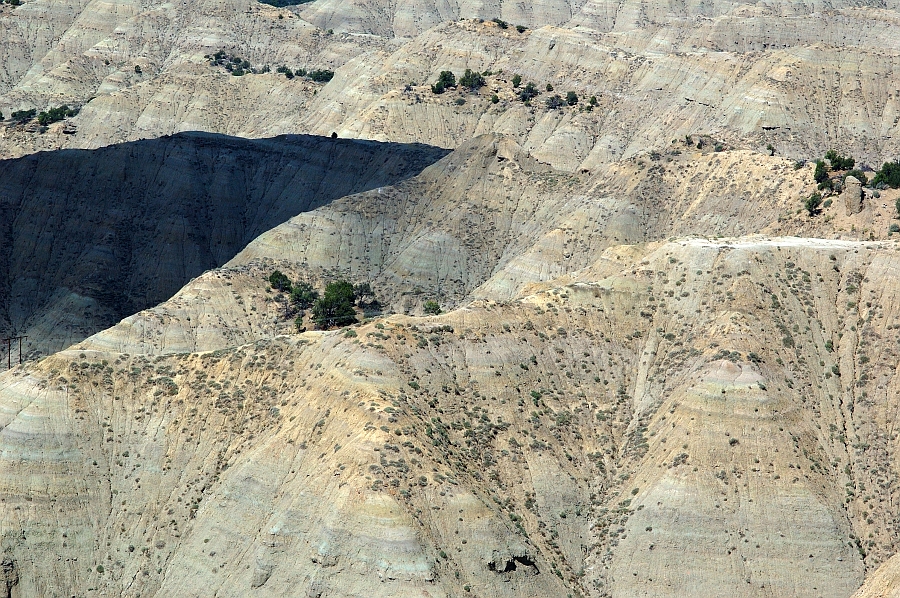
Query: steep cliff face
(90, 237)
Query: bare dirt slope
(658, 430)
(90, 237)
(653, 416)
(802, 77)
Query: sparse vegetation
(812, 203)
(471, 80)
(888, 176)
(280, 281)
(56, 114)
(839, 162)
(528, 92)
(284, 3)
(446, 80)
(23, 116)
(335, 307)
(303, 295)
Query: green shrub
(771, 149)
(549, 87)
(303, 295)
(812, 203)
(23, 115)
(447, 78)
(858, 174)
(554, 101)
(571, 98)
(279, 281)
(521, 28)
(137, 69)
(471, 80)
(894, 228)
(321, 75)
(56, 114)
(283, 3)
(516, 80)
(889, 175)
(431, 308)
(335, 307)
(528, 92)
(501, 24)
(839, 162)
(821, 172)
(445, 81)
(494, 100)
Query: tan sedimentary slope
(713, 415)
(487, 221)
(801, 78)
(884, 583)
(90, 237)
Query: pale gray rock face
(852, 195)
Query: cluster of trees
(555, 101)
(284, 3)
(23, 116)
(473, 81)
(317, 75)
(888, 176)
(44, 118)
(837, 163)
(334, 308)
(235, 65)
(530, 91)
(239, 67)
(56, 114)
(446, 80)
(504, 25)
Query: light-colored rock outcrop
(852, 195)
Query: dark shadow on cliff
(88, 237)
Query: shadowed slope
(90, 237)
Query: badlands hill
(801, 76)
(655, 373)
(90, 237)
(607, 411)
